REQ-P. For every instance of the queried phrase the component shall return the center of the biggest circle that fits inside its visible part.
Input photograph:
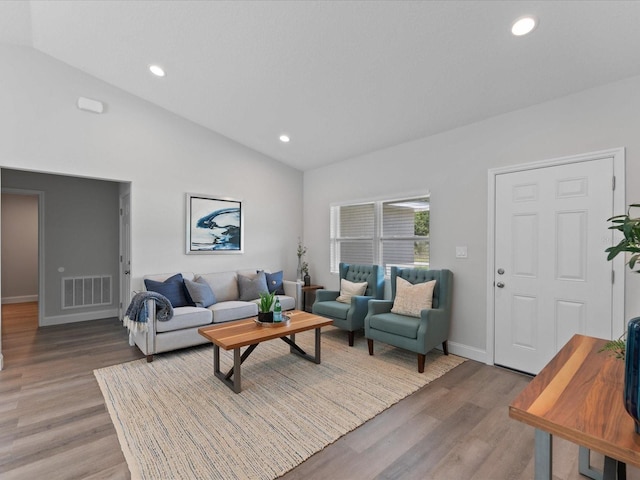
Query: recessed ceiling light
(524, 25)
(157, 70)
(284, 138)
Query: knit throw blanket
(136, 317)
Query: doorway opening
(78, 237)
(21, 240)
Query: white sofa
(182, 330)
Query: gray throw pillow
(200, 292)
(251, 288)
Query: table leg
(613, 469)
(236, 370)
(294, 348)
(317, 359)
(234, 385)
(216, 359)
(584, 464)
(544, 455)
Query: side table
(578, 397)
(309, 289)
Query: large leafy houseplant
(630, 228)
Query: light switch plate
(461, 252)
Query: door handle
(127, 272)
(500, 285)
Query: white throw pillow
(349, 289)
(411, 299)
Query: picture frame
(214, 225)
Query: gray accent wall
(81, 235)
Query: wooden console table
(578, 396)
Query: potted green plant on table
(265, 315)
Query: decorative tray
(286, 320)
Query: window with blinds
(386, 232)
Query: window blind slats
(385, 233)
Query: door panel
(549, 231)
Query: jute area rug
(176, 420)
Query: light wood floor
(54, 424)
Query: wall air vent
(87, 291)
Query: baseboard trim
(21, 299)
(471, 353)
(79, 317)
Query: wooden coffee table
(242, 333)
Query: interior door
(551, 277)
(125, 253)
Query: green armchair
(416, 334)
(350, 316)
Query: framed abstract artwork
(214, 225)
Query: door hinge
(613, 276)
(120, 258)
(613, 183)
(120, 212)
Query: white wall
(165, 156)
(19, 248)
(454, 167)
(161, 154)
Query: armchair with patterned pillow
(418, 316)
(348, 307)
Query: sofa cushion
(349, 289)
(185, 317)
(200, 292)
(233, 310)
(412, 299)
(274, 282)
(223, 284)
(251, 288)
(173, 288)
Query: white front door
(552, 278)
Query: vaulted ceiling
(341, 78)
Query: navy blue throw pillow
(173, 288)
(274, 282)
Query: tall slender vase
(299, 271)
(632, 371)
